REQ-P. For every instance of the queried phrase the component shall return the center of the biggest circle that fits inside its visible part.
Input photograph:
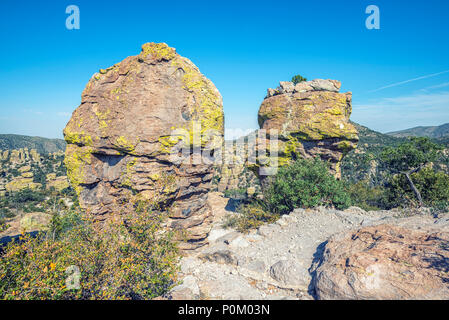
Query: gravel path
(273, 262)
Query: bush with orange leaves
(132, 258)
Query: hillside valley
(41, 145)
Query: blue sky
(397, 74)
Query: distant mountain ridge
(375, 140)
(435, 132)
(42, 145)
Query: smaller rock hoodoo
(311, 119)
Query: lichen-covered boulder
(384, 262)
(24, 181)
(59, 183)
(120, 139)
(311, 119)
(35, 221)
(21, 183)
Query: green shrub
(39, 176)
(27, 195)
(6, 213)
(366, 197)
(235, 193)
(3, 225)
(297, 79)
(61, 223)
(409, 158)
(305, 184)
(14, 172)
(126, 259)
(433, 186)
(250, 216)
(32, 208)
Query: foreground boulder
(120, 139)
(279, 260)
(384, 262)
(311, 119)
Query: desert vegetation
(128, 258)
(410, 178)
(305, 183)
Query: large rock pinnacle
(120, 139)
(311, 119)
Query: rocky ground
(277, 261)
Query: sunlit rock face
(311, 119)
(121, 143)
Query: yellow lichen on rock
(25, 168)
(158, 51)
(76, 160)
(27, 174)
(35, 221)
(120, 139)
(73, 135)
(208, 108)
(21, 183)
(122, 143)
(59, 183)
(312, 122)
(128, 173)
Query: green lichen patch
(78, 138)
(123, 144)
(76, 159)
(206, 111)
(128, 173)
(158, 51)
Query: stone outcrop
(233, 174)
(386, 263)
(25, 223)
(311, 119)
(20, 156)
(24, 181)
(4, 155)
(120, 143)
(59, 183)
(35, 221)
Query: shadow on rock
(316, 262)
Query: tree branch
(412, 185)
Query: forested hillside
(42, 145)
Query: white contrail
(410, 80)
